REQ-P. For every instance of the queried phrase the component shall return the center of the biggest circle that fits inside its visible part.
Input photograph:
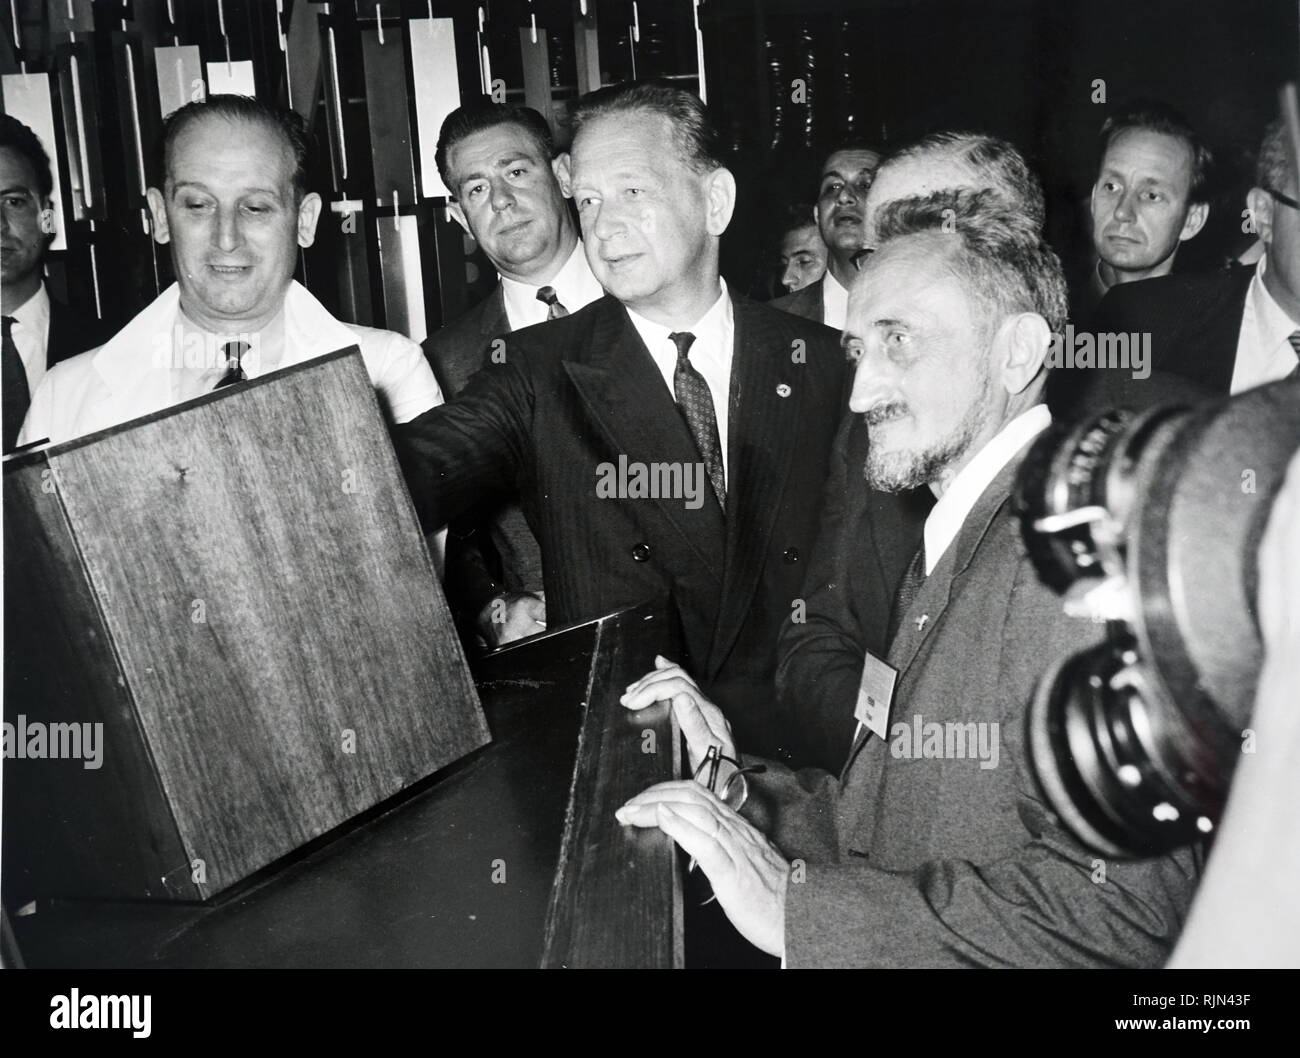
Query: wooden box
(238, 591)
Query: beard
(897, 470)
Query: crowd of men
(857, 441)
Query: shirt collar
(712, 322)
(835, 301)
(1274, 325)
(950, 512)
(35, 311)
(575, 287)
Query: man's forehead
(17, 169)
(905, 269)
(1166, 156)
(498, 143)
(628, 133)
(240, 142)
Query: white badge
(876, 695)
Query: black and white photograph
(650, 484)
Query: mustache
(887, 412)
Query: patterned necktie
(554, 306)
(13, 382)
(696, 405)
(234, 370)
(1294, 339)
(908, 588)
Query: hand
(748, 875)
(512, 615)
(701, 721)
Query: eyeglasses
(1286, 200)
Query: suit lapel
(625, 397)
(762, 437)
(493, 319)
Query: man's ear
(458, 215)
(720, 185)
(563, 169)
(158, 211)
(1196, 218)
(1260, 204)
(1020, 347)
(308, 217)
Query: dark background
(887, 69)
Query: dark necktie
(13, 382)
(554, 306)
(907, 591)
(1294, 339)
(234, 370)
(696, 404)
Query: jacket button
(791, 555)
(641, 553)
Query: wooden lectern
(238, 591)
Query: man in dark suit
(39, 331)
(841, 214)
(934, 847)
(497, 161)
(670, 438)
(1228, 331)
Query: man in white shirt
(497, 161)
(234, 209)
(38, 332)
(1235, 330)
(841, 209)
(933, 847)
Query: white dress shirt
(948, 514)
(574, 285)
(1264, 352)
(710, 354)
(31, 334)
(835, 302)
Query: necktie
(1294, 339)
(554, 306)
(13, 382)
(907, 591)
(696, 404)
(234, 371)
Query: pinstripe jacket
(576, 393)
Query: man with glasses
(1229, 331)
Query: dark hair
(852, 143)
(474, 117)
(288, 123)
(1011, 268)
(693, 130)
(14, 134)
(1273, 166)
(796, 217)
(1154, 116)
(996, 161)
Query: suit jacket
(866, 541)
(1194, 321)
(806, 303)
(575, 393)
(915, 860)
(493, 549)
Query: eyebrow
(500, 163)
(194, 185)
(16, 189)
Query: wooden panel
(68, 828)
(274, 607)
(617, 899)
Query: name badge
(876, 695)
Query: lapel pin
(783, 390)
(921, 621)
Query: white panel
(27, 98)
(180, 77)
(437, 91)
(231, 78)
(413, 276)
